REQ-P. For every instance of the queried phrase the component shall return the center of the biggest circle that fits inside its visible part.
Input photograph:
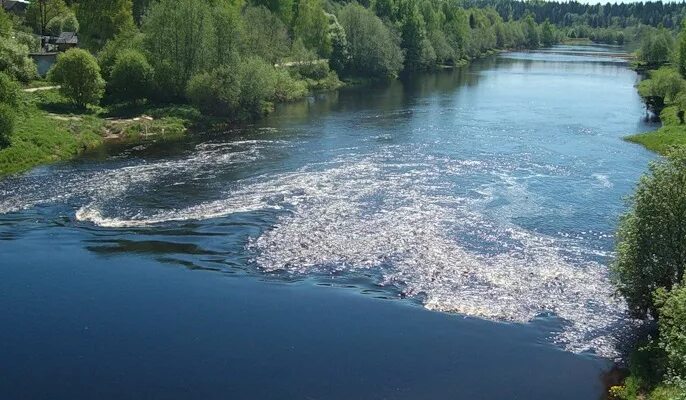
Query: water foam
(412, 221)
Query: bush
(127, 40)
(15, 61)
(132, 77)
(652, 236)
(70, 23)
(237, 92)
(54, 26)
(6, 124)
(656, 48)
(9, 90)
(78, 74)
(216, 92)
(287, 88)
(258, 81)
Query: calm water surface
(301, 257)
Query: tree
(238, 92)
(651, 246)
(5, 24)
(340, 52)
(681, 52)
(130, 39)
(15, 61)
(672, 329)
(282, 8)
(311, 26)
(547, 34)
(178, 40)
(132, 77)
(40, 12)
(101, 20)
(374, 49)
(417, 48)
(663, 87)
(656, 48)
(265, 35)
(78, 74)
(530, 32)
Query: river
(447, 235)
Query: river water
(306, 256)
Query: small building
(66, 41)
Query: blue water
(306, 256)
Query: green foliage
(9, 90)
(531, 35)
(40, 12)
(651, 246)
(656, 48)
(283, 9)
(266, 36)
(340, 52)
(547, 34)
(672, 328)
(7, 123)
(54, 26)
(381, 57)
(70, 23)
(130, 39)
(662, 88)
(288, 88)
(5, 24)
(132, 77)
(238, 92)
(15, 61)
(78, 74)
(102, 20)
(311, 25)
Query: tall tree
(101, 20)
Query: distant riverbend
(307, 256)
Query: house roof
(67, 38)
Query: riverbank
(50, 129)
(670, 135)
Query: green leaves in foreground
(651, 248)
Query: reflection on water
(491, 190)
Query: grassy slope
(40, 137)
(50, 129)
(670, 135)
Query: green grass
(49, 128)
(670, 135)
(41, 138)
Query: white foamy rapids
(100, 187)
(409, 235)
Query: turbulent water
(491, 192)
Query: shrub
(672, 328)
(9, 90)
(15, 61)
(132, 76)
(258, 80)
(287, 88)
(6, 124)
(216, 92)
(127, 40)
(78, 74)
(238, 92)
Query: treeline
(651, 239)
(235, 58)
(571, 13)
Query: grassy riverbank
(49, 128)
(671, 134)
